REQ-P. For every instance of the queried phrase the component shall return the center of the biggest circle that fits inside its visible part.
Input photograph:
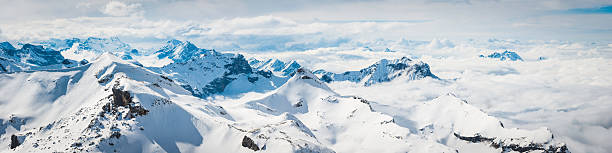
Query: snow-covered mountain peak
(506, 55)
(6, 45)
(275, 66)
(179, 51)
(384, 70)
(91, 47)
(304, 78)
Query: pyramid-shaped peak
(6, 45)
(306, 76)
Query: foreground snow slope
(109, 106)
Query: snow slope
(453, 122)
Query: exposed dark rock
(76, 144)
(299, 103)
(266, 74)
(364, 101)
(238, 66)
(252, 79)
(83, 62)
(124, 99)
(300, 70)
(137, 111)
(166, 78)
(515, 147)
(216, 86)
(249, 143)
(116, 135)
(326, 79)
(15, 142)
(66, 61)
(121, 98)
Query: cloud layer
(116, 8)
(300, 25)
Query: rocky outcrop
(124, 99)
(14, 142)
(249, 143)
(121, 98)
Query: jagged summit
(207, 72)
(6, 45)
(275, 66)
(180, 51)
(382, 71)
(506, 55)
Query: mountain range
(114, 104)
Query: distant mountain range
(382, 71)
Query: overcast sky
(324, 20)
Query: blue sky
(595, 10)
(293, 23)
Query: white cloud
(116, 8)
